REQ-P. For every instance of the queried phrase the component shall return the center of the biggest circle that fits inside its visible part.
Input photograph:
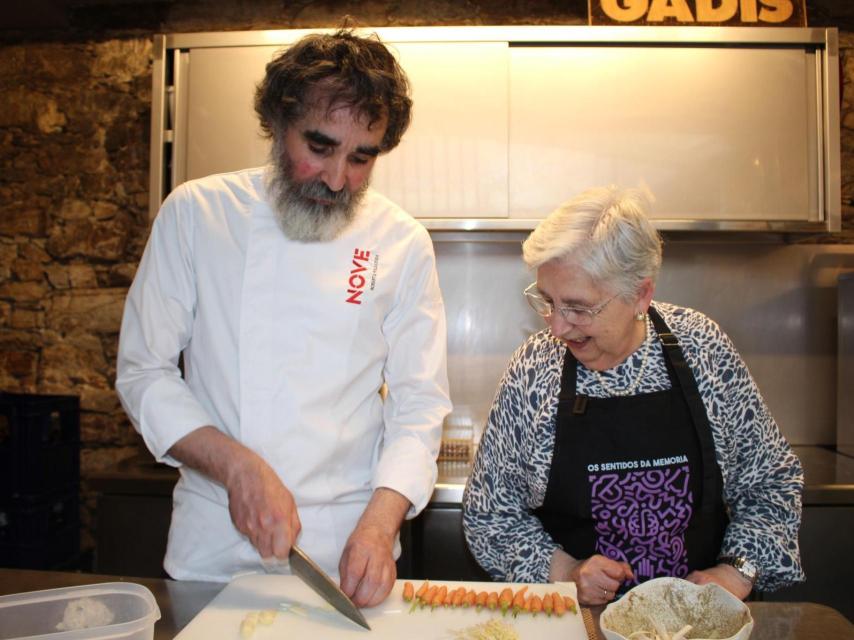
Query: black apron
(634, 478)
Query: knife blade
(309, 572)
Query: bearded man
(293, 292)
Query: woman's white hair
(605, 232)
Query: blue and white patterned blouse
(762, 476)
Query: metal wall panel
(700, 126)
(733, 128)
(776, 302)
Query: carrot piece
(558, 604)
(428, 596)
(536, 604)
(422, 589)
(480, 601)
(547, 604)
(505, 599)
(492, 600)
(519, 600)
(469, 598)
(408, 591)
(439, 598)
(570, 604)
(457, 599)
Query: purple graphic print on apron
(650, 507)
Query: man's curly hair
(351, 71)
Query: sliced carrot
(408, 591)
(570, 604)
(492, 601)
(439, 599)
(480, 601)
(428, 596)
(547, 604)
(505, 599)
(536, 604)
(422, 589)
(519, 600)
(470, 598)
(558, 604)
(457, 599)
(449, 597)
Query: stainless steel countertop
(451, 482)
(179, 602)
(828, 476)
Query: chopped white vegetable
(267, 616)
(247, 628)
(494, 629)
(290, 607)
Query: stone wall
(74, 123)
(74, 128)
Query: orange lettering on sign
(700, 12)
(708, 12)
(662, 9)
(776, 10)
(748, 11)
(627, 11)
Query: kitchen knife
(309, 572)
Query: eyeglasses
(579, 316)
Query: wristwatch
(744, 566)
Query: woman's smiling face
(613, 334)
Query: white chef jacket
(285, 346)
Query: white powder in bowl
(85, 613)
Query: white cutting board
(221, 619)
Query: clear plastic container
(109, 610)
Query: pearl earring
(639, 316)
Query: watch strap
(743, 565)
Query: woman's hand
(596, 579)
(725, 576)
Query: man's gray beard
(300, 217)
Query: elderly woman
(627, 441)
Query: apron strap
(675, 360)
(567, 404)
(567, 380)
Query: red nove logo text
(356, 282)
